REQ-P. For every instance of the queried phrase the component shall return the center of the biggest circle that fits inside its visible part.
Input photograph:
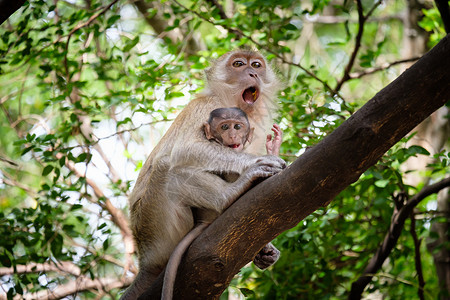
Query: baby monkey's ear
(207, 129)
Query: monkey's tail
(175, 258)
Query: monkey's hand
(267, 256)
(264, 167)
(271, 161)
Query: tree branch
(381, 68)
(313, 180)
(361, 21)
(62, 267)
(444, 10)
(417, 260)
(7, 8)
(82, 283)
(390, 240)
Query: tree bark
(313, 180)
(8, 7)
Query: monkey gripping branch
(313, 180)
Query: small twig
(97, 140)
(222, 13)
(8, 180)
(361, 22)
(418, 262)
(382, 67)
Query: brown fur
(180, 172)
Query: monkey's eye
(256, 64)
(237, 126)
(225, 127)
(238, 64)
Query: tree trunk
(313, 180)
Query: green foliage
(432, 23)
(87, 89)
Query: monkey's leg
(267, 256)
(143, 280)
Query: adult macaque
(181, 174)
(228, 127)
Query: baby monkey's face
(229, 127)
(232, 133)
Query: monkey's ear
(208, 131)
(250, 135)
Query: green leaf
(413, 150)
(47, 170)
(57, 245)
(381, 183)
(130, 44)
(112, 20)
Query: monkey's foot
(266, 257)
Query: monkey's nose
(254, 75)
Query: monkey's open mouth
(234, 146)
(250, 95)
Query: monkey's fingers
(271, 160)
(261, 170)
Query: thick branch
(7, 8)
(313, 180)
(390, 240)
(444, 10)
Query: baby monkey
(229, 127)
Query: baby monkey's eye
(238, 63)
(225, 127)
(256, 64)
(237, 126)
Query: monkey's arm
(215, 158)
(195, 187)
